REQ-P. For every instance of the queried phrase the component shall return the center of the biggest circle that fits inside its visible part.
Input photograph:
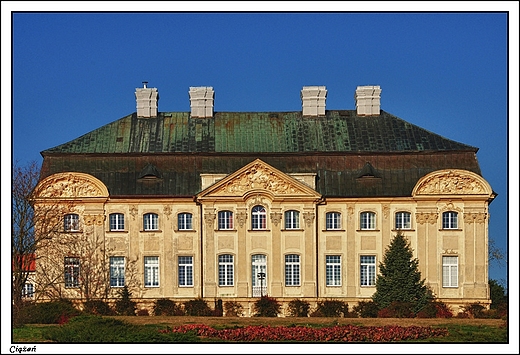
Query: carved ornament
(452, 182)
(91, 219)
(276, 217)
(426, 217)
(71, 185)
(241, 218)
(479, 217)
(257, 176)
(308, 217)
(133, 212)
(167, 211)
(209, 217)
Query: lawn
(460, 330)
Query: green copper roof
(259, 132)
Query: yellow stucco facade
(262, 231)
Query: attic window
(149, 173)
(369, 172)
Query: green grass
(472, 334)
(94, 329)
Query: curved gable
(452, 182)
(70, 185)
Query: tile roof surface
(353, 156)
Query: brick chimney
(146, 99)
(313, 100)
(368, 100)
(201, 101)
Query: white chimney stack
(146, 100)
(368, 100)
(201, 101)
(313, 100)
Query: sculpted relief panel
(453, 183)
(258, 176)
(71, 185)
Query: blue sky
(445, 72)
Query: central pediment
(258, 176)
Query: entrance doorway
(259, 274)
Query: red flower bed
(344, 333)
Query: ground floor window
(292, 270)
(333, 270)
(225, 270)
(450, 271)
(185, 271)
(117, 271)
(151, 271)
(28, 290)
(72, 272)
(368, 270)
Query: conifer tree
(399, 278)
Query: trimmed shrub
(331, 308)
(197, 307)
(166, 307)
(366, 309)
(266, 307)
(397, 310)
(55, 312)
(298, 308)
(143, 313)
(435, 309)
(218, 311)
(233, 309)
(474, 310)
(98, 307)
(125, 306)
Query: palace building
(236, 205)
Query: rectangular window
(71, 223)
(151, 271)
(72, 272)
(185, 271)
(117, 222)
(225, 220)
(225, 270)
(368, 220)
(28, 290)
(292, 220)
(332, 220)
(185, 221)
(450, 272)
(368, 270)
(117, 271)
(292, 270)
(333, 270)
(150, 222)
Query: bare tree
(26, 237)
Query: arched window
(258, 217)
(449, 220)
(403, 220)
(225, 220)
(151, 222)
(71, 222)
(117, 221)
(184, 221)
(292, 219)
(368, 220)
(333, 220)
